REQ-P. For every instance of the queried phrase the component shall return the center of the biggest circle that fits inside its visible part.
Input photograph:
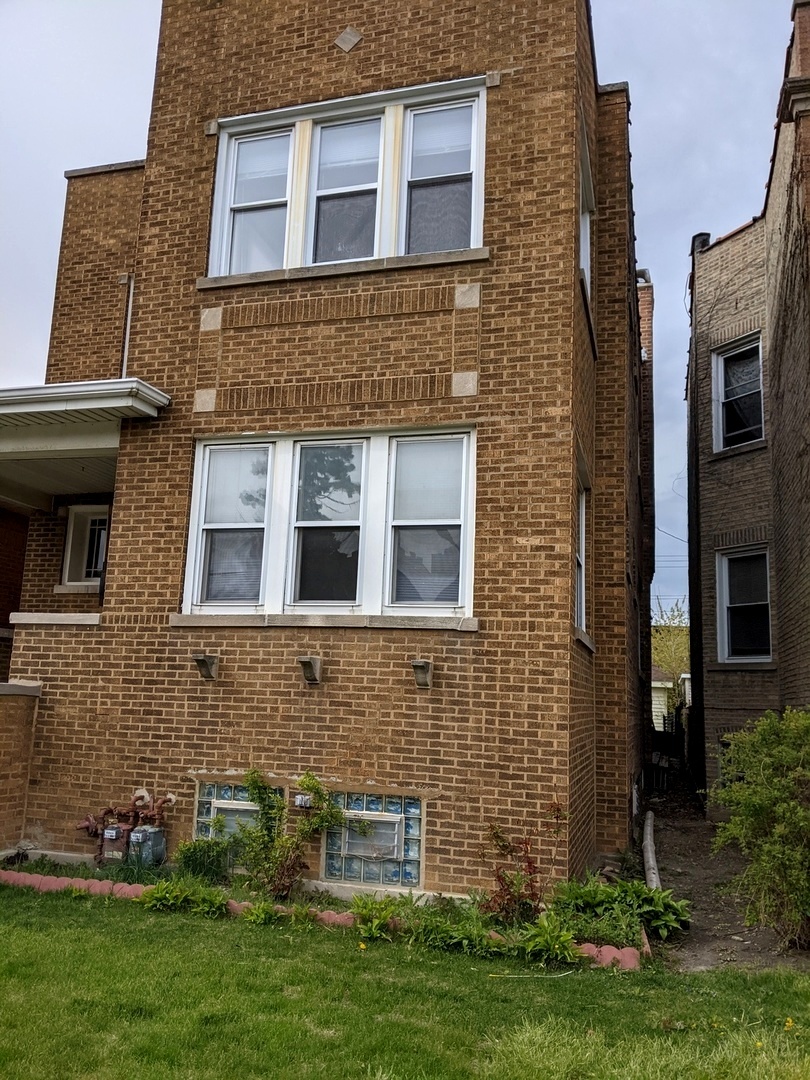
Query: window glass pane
(233, 564)
(441, 142)
(261, 169)
(258, 239)
(742, 373)
(427, 485)
(96, 547)
(327, 564)
(232, 818)
(426, 565)
(329, 482)
(439, 216)
(742, 419)
(749, 631)
(748, 579)
(344, 227)
(379, 842)
(349, 155)
(237, 485)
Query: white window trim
(587, 205)
(393, 107)
(375, 558)
(723, 557)
(581, 560)
(719, 356)
(81, 511)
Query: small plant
(173, 894)
(208, 858)
(210, 903)
(372, 917)
(520, 881)
(765, 786)
(547, 940)
(262, 913)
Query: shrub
(765, 786)
(272, 856)
(520, 881)
(631, 901)
(547, 940)
(372, 917)
(208, 858)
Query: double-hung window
(744, 615)
(378, 524)
(580, 591)
(738, 395)
(86, 545)
(385, 174)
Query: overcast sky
(76, 82)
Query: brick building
(749, 474)
(346, 403)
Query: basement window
(381, 843)
(227, 801)
(86, 545)
(367, 177)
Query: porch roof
(62, 439)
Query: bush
(632, 902)
(210, 859)
(272, 856)
(765, 786)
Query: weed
(372, 917)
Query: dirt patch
(718, 935)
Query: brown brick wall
(17, 714)
(514, 720)
(98, 246)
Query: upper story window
(587, 204)
(743, 607)
(738, 394)
(378, 524)
(385, 174)
(86, 546)
(580, 555)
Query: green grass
(102, 989)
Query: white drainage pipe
(648, 853)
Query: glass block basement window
(230, 802)
(381, 843)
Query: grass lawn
(104, 990)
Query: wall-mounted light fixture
(423, 673)
(207, 664)
(311, 669)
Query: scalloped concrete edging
(628, 959)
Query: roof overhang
(62, 439)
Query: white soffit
(80, 403)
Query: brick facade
(752, 285)
(525, 710)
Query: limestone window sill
(380, 622)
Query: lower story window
(381, 842)
(744, 621)
(227, 802)
(86, 545)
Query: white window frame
(76, 514)
(580, 556)
(375, 556)
(587, 205)
(395, 109)
(719, 357)
(723, 558)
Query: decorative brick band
(742, 328)
(752, 534)
(348, 391)
(316, 309)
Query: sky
(76, 82)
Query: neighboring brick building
(749, 471)
(368, 319)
